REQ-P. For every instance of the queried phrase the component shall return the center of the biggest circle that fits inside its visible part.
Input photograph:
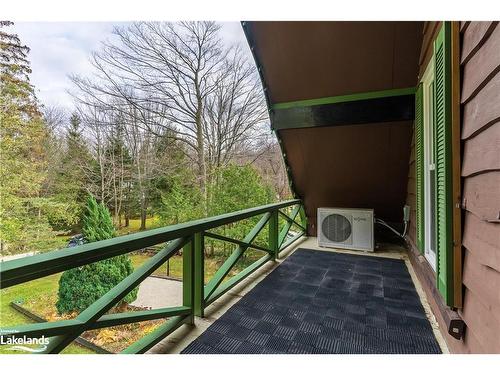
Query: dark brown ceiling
(357, 166)
(363, 166)
(308, 60)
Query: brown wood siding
(483, 238)
(481, 195)
(483, 110)
(473, 39)
(482, 66)
(480, 172)
(481, 153)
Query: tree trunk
(202, 168)
(143, 212)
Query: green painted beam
(111, 320)
(34, 267)
(221, 290)
(62, 327)
(345, 98)
(199, 274)
(188, 276)
(287, 226)
(235, 241)
(291, 221)
(92, 313)
(234, 257)
(150, 340)
(303, 217)
(274, 233)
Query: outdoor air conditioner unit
(346, 228)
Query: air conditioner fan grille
(336, 228)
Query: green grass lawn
(40, 296)
(36, 290)
(135, 224)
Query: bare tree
(180, 76)
(235, 112)
(94, 120)
(55, 118)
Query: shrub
(97, 224)
(82, 286)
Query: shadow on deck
(318, 302)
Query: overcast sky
(59, 49)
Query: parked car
(77, 240)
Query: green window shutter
(442, 147)
(419, 167)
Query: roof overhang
(336, 73)
(341, 101)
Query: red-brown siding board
(481, 195)
(464, 25)
(469, 345)
(480, 319)
(484, 281)
(481, 67)
(481, 188)
(482, 239)
(482, 152)
(475, 37)
(483, 110)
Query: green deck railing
(190, 237)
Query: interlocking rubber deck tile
(320, 302)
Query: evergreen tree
(182, 201)
(236, 188)
(24, 224)
(82, 286)
(97, 223)
(70, 181)
(119, 164)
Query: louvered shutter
(442, 149)
(419, 167)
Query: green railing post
(303, 217)
(273, 234)
(188, 277)
(199, 274)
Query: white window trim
(428, 137)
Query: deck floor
(325, 302)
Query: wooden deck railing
(190, 237)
